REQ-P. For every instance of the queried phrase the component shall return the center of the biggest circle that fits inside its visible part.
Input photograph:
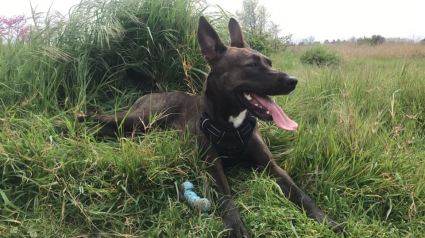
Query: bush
(320, 56)
(86, 58)
(375, 40)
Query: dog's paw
(236, 228)
(338, 229)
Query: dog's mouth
(266, 109)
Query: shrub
(375, 40)
(320, 56)
(85, 58)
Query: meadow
(358, 151)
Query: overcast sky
(323, 19)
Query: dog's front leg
(260, 156)
(228, 210)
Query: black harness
(229, 142)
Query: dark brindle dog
(223, 118)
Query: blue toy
(195, 202)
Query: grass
(358, 151)
(383, 51)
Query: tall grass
(358, 151)
(84, 58)
(361, 142)
(383, 51)
(386, 50)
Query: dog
(224, 118)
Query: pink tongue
(279, 117)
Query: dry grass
(386, 50)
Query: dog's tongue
(279, 117)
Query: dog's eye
(253, 65)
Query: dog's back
(174, 110)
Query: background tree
(352, 39)
(262, 19)
(377, 40)
(374, 40)
(309, 40)
(253, 16)
(263, 34)
(274, 31)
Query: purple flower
(13, 28)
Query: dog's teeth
(248, 97)
(268, 112)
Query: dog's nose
(291, 81)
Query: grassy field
(358, 152)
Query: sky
(322, 19)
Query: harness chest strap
(230, 142)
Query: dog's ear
(211, 46)
(236, 34)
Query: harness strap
(229, 142)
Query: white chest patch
(237, 121)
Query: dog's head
(242, 75)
